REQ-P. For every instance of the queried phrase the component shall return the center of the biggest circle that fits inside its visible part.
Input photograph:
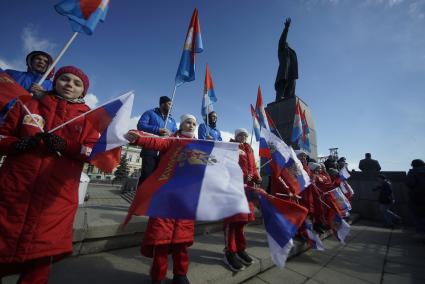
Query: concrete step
(128, 266)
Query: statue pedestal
(283, 113)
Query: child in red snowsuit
(165, 236)
(40, 177)
(234, 236)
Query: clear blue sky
(361, 63)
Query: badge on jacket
(36, 120)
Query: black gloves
(25, 144)
(53, 142)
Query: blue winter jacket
(152, 120)
(27, 78)
(204, 131)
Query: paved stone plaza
(372, 255)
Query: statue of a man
(288, 67)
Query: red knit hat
(75, 71)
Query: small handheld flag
(84, 15)
(193, 44)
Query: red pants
(31, 272)
(234, 237)
(160, 260)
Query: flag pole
(208, 113)
(171, 106)
(74, 35)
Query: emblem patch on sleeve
(39, 120)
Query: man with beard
(153, 121)
(208, 130)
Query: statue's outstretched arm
(284, 35)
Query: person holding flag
(209, 130)
(165, 236)
(235, 243)
(154, 121)
(40, 177)
(38, 62)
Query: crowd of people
(39, 199)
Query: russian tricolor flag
(282, 219)
(297, 129)
(273, 146)
(297, 169)
(209, 96)
(10, 91)
(196, 180)
(340, 200)
(84, 15)
(112, 121)
(344, 174)
(192, 45)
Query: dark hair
(368, 155)
(417, 163)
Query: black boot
(180, 279)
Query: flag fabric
(304, 142)
(313, 238)
(273, 147)
(341, 228)
(344, 174)
(297, 169)
(342, 203)
(261, 112)
(209, 95)
(255, 124)
(281, 219)
(84, 15)
(297, 129)
(112, 121)
(193, 44)
(272, 126)
(346, 189)
(10, 91)
(186, 186)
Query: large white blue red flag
(195, 180)
(280, 153)
(84, 15)
(342, 203)
(282, 219)
(261, 112)
(297, 129)
(193, 44)
(209, 96)
(341, 228)
(297, 169)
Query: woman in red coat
(40, 177)
(165, 236)
(234, 236)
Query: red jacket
(248, 166)
(161, 231)
(39, 189)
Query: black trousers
(149, 164)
